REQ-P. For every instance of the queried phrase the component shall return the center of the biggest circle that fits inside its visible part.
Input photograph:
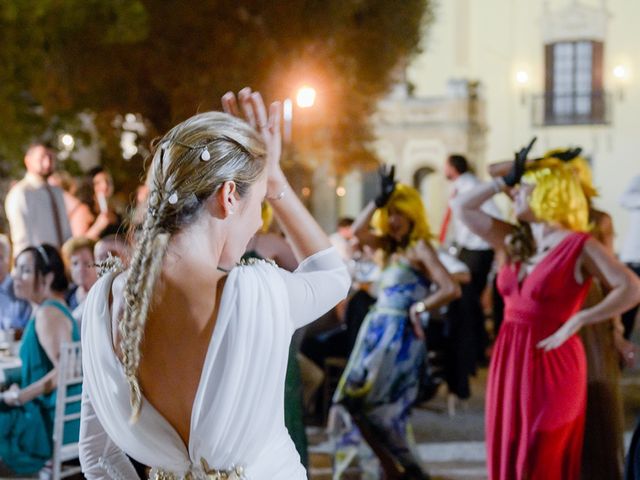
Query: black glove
(567, 154)
(387, 185)
(517, 170)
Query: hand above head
(514, 176)
(266, 123)
(387, 185)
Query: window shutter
(597, 84)
(548, 82)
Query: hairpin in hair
(43, 254)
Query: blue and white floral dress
(381, 381)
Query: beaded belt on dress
(203, 472)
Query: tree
(167, 59)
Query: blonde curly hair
(189, 164)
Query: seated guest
(14, 312)
(27, 408)
(77, 254)
(112, 245)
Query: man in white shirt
(36, 210)
(473, 250)
(630, 253)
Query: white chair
(69, 375)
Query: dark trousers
(479, 263)
(629, 317)
(459, 348)
(498, 307)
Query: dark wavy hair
(47, 259)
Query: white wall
(491, 40)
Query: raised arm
(468, 206)
(360, 226)
(361, 230)
(321, 280)
(303, 232)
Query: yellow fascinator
(559, 196)
(582, 168)
(407, 201)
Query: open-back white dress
(237, 421)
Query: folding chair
(67, 409)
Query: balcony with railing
(554, 109)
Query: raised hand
(514, 176)
(387, 185)
(250, 106)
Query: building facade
(565, 71)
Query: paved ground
(452, 447)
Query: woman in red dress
(536, 392)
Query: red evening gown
(536, 400)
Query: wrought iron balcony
(571, 109)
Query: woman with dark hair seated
(27, 408)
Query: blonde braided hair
(189, 164)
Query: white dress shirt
(31, 215)
(464, 237)
(630, 200)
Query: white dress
(238, 412)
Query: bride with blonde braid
(185, 353)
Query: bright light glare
(287, 110)
(620, 72)
(306, 97)
(68, 141)
(522, 77)
(341, 191)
